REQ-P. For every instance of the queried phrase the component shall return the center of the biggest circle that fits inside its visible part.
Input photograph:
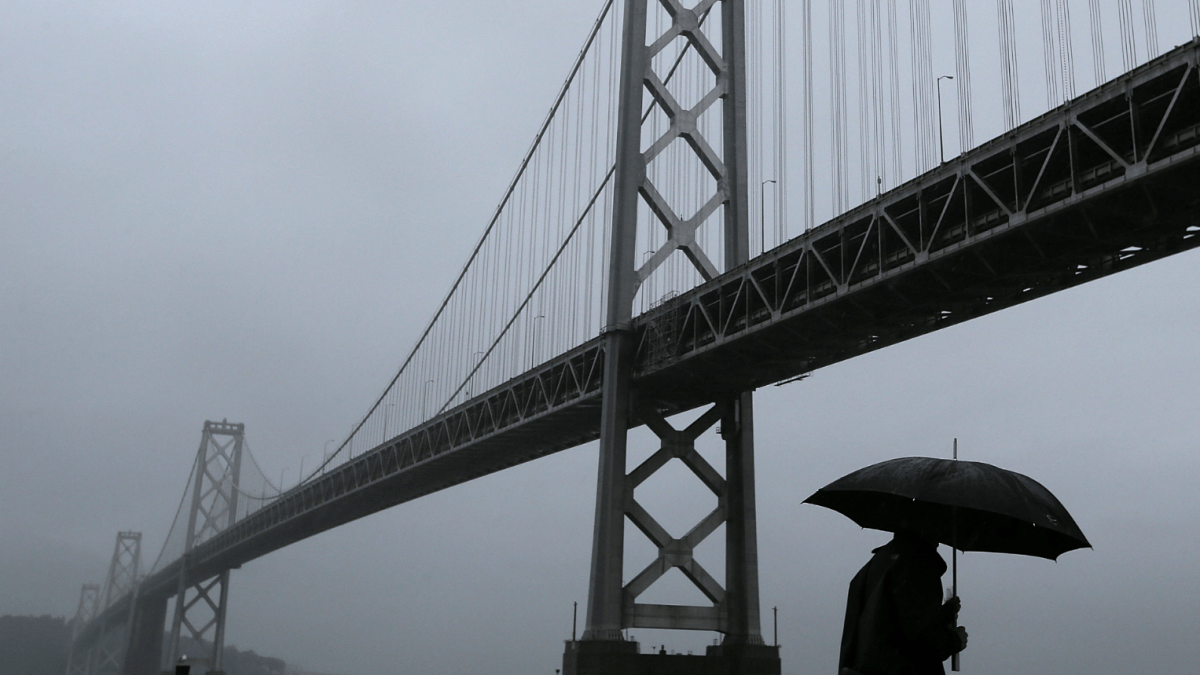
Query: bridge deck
(1104, 183)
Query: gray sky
(247, 210)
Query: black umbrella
(970, 506)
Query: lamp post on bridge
(300, 476)
(762, 211)
(533, 340)
(325, 453)
(941, 138)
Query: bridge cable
(756, 124)
(807, 106)
(500, 210)
(865, 107)
(1128, 40)
(837, 76)
(537, 284)
(1097, 42)
(923, 102)
(1065, 51)
(894, 88)
(781, 117)
(1010, 92)
(881, 86)
(1048, 56)
(966, 132)
(178, 511)
(1150, 20)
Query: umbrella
(970, 506)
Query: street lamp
(533, 340)
(941, 139)
(762, 211)
(325, 454)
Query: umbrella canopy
(971, 506)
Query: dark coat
(895, 621)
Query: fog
(247, 211)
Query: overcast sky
(246, 211)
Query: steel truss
(214, 509)
(1104, 183)
(498, 429)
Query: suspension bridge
(622, 280)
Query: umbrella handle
(954, 570)
(954, 582)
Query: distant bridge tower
(107, 656)
(89, 607)
(201, 600)
(612, 604)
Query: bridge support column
(605, 594)
(612, 604)
(201, 602)
(107, 655)
(143, 656)
(89, 606)
(741, 532)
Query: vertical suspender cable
(754, 81)
(894, 61)
(1128, 41)
(1014, 65)
(1048, 55)
(879, 82)
(1008, 64)
(1097, 42)
(963, 74)
(915, 68)
(878, 99)
(1065, 52)
(806, 31)
(837, 77)
(864, 110)
(928, 84)
(1194, 14)
(924, 115)
(893, 82)
(1150, 18)
(781, 143)
(877, 95)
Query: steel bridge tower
(612, 604)
(200, 604)
(89, 607)
(106, 655)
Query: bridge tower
(89, 607)
(201, 600)
(107, 655)
(612, 604)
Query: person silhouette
(896, 623)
